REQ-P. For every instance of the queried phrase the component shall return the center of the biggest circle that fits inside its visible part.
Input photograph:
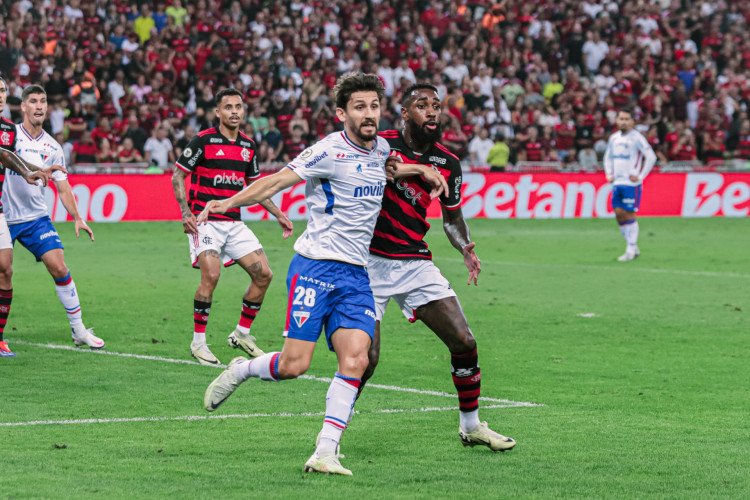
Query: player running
(9, 161)
(327, 280)
(220, 162)
(400, 264)
(627, 161)
(26, 209)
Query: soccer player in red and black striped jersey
(9, 160)
(220, 161)
(400, 264)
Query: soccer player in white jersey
(327, 280)
(627, 161)
(26, 209)
(9, 161)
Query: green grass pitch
(639, 374)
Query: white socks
(264, 367)
(339, 403)
(68, 295)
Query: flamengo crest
(5, 138)
(245, 154)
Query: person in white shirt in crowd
(158, 148)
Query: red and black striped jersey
(402, 223)
(218, 169)
(7, 141)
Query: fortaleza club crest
(300, 317)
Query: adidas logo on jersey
(220, 153)
(371, 190)
(226, 179)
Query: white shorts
(411, 283)
(5, 240)
(232, 240)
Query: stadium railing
(728, 165)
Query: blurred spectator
(136, 134)
(480, 146)
(126, 153)
(499, 154)
(85, 150)
(158, 149)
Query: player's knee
(356, 363)
(264, 277)
(6, 276)
(58, 271)
(463, 342)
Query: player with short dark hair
(327, 279)
(220, 161)
(9, 161)
(627, 161)
(401, 267)
(27, 213)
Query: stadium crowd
(132, 81)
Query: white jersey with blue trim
(24, 202)
(626, 155)
(344, 193)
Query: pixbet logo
(226, 179)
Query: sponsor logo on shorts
(301, 317)
(628, 200)
(315, 159)
(321, 284)
(48, 234)
(370, 314)
(370, 190)
(227, 179)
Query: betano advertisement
(113, 198)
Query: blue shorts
(627, 197)
(38, 236)
(330, 294)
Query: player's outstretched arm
(286, 225)
(457, 230)
(178, 185)
(30, 172)
(254, 193)
(69, 202)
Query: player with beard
(10, 161)
(400, 264)
(327, 279)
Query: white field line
(190, 418)
(504, 402)
(710, 274)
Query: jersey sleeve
(315, 161)
(452, 199)
(253, 169)
(58, 159)
(192, 155)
